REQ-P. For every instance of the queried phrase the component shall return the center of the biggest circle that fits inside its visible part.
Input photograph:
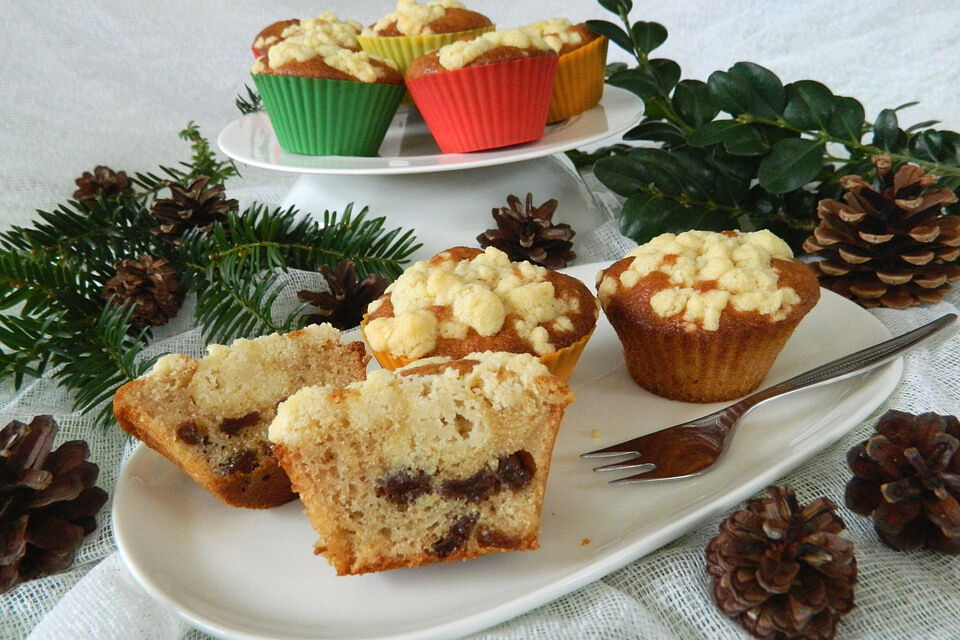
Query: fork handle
(851, 365)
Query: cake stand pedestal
(446, 198)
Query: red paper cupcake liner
(488, 106)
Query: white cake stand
(445, 198)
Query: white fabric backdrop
(111, 82)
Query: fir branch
(45, 286)
(203, 162)
(251, 104)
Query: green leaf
(693, 102)
(657, 131)
(647, 36)
(614, 6)
(763, 81)
(907, 105)
(613, 32)
(790, 164)
(638, 81)
(713, 132)
(846, 121)
(667, 73)
(886, 131)
(745, 141)
(735, 96)
(643, 216)
(662, 167)
(921, 125)
(615, 67)
(622, 174)
(809, 105)
(932, 146)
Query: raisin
(488, 537)
(188, 433)
(516, 470)
(477, 487)
(456, 536)
(243, 461)
(232, 426)
(403, 487)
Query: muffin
(702, 315)
(440, 461)
(325, 99)
(342, 32)
(210, 416)
(460, 90)
(581, 68)
(465, 300)
(414, 29)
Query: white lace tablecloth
(112, 82)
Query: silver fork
(690, 448)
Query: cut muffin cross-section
(441, 460)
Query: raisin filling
(477, 487)
(456, 536)
(188, 433)
(516, 470)
(403, 487)
(489, 537)
(243, 461)
(232, 426)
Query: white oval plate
(409, 148)
(246, 574)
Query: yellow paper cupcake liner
(405, 49)
(559, 363)
(579, 82)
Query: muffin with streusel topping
(465, 300)
(413, 29)
(581, 67)
(342, 32)
(702, 316)
(491, 91)
(325, 99)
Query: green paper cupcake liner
(320, 117)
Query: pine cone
(48, 501)
(526, 232)
(103, 180)
(151, 283)
(197, 206)
(889, 246)
(907, 478)
(346, 302)
(781, 570)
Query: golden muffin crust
(562, 36)
(271, 35)
(413, 19)
(476, 281)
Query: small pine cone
(48, 501)
(346, 302)
(103, 181)
(889, 245)
(781, 570)
(526, 232)
(197, 206)
(153, 286)
(907, 478)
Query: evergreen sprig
(743, 149)
(53, 273)
(249, 104)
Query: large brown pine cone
(347, 300)
(48, 501)
(907, 478)
(102, 181)
(781, 570)
(889, 245)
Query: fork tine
(626, 465)
(628, 447)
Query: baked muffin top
(465, 300)
(438, 16)
(562, 36)
(341, 32)
(493, 46)
(316, 55)
(697, 276)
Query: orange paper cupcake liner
(559, 363)
(487, 106)
(579, 83)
